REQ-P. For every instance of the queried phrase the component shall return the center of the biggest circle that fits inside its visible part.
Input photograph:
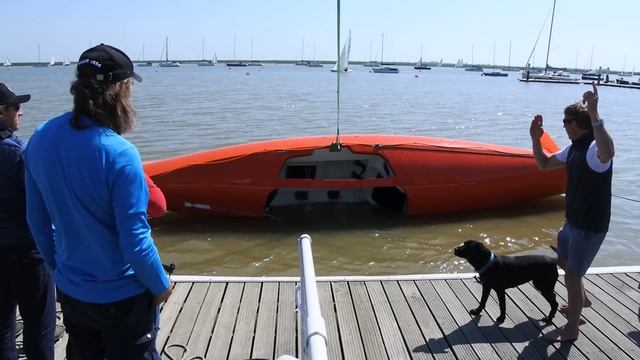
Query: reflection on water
(350, 239)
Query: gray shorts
(578, 248)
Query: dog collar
(486, 266)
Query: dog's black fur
(510, 271)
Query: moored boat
(495, 73)
(408, 174)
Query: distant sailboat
(384, 69)
(168, 63)
(509, 61)
(40, 64)
(6, 62)
(314, 63)
(253, 62)
(204, 62)
(235, 63)
(343, 61)
(419, 65)
(554, 76)
(66, 62)
(473, 67)
(371, 63)
(302, 61)
(494, 72)
(144, 63)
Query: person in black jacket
(588, 160)
(25, 280)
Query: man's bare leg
(575, 292)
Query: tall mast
(546, 65)
(166, 44)
(382, 52)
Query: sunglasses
(567, 121)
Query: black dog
(501, 272)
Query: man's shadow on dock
(536, 347)
(635, 335)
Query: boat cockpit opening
(343, 170)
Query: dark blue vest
(14, 231)
(588, 193)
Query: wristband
(598, 122)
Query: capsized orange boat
(410, 174)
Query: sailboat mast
(546, 65)
(509, 61)
(382, 52)
(166, 45)
(336, 145)
(494, 54)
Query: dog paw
(500, 319)
(475, 311)
(547, 320)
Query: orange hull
(416, 175)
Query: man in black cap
(87, 181)
(25, 280)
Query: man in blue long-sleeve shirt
(87, 209)
(25, 280)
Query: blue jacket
(14, 231)
(89, 184)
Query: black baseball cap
(108, 63)
(8, 97)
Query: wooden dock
(394, 317)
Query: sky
(586, 33)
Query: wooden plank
(453, 336)
(170, 311)
(245, 323)
(619, 290)
(177, 342)
(264, 340)
(610, 308)
(286, 323)
(369, 329)
(465, 323)
(634, 276)
(626, 279)
(581, 348)
(518, 326)
(347, 325)
(503, 347)
(605, 336)
(586, 343)
(204, 324)
(427, 324)
(225, 325)
(391, 334)
(402, 316)
(334, 350)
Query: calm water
(195, 108)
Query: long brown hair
(107, 103)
